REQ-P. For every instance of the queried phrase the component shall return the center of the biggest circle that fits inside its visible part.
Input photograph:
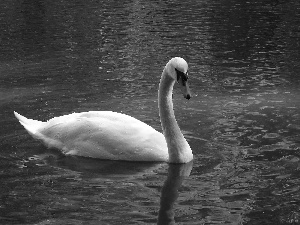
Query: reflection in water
(169, 192)
(109, 168)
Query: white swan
(116, 136)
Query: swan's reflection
(108, 169)
(169, 192)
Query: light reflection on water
(242, 122)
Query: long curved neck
(179, 149)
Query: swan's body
(100, 134)
(116, 136)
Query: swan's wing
(106, 135)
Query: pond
(242, 122)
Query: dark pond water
(242, 123)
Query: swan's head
(177, 68)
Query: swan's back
(100, 134)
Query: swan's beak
(186, 91)
(183, 81)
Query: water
(242, 122)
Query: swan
(116, 136)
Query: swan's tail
(35, 128)
(32, 126)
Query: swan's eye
(183, 76)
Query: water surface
(242, 122)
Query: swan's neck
(179, 149)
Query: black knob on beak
(188, 96)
